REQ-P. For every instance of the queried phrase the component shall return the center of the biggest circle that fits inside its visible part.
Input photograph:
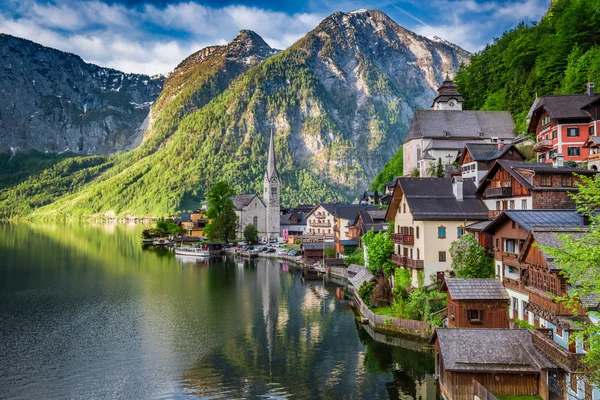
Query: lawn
(388, 311)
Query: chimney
(558, 160)
(457, 187)
(590, 89)
(500, 145)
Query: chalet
(345, 215)
(429, 214)
(476, 159)
(366, 220)
(509, 231)
(476, 303)
(315, 251)
(504, 361)
(563, 123)
(518, 185)
(443, 131)
(193, 223)
(593, 146)
(292, 223)
(321, 221)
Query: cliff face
(55, 102)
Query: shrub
(365, 291)
(298, 241)
(382, 294)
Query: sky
(153, 36)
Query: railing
(539, 298)
(561, 356)
(594, 157)
(512, 284)
(543, 145)
(480, 392)
(403, 261)
(510, 258)
(498, 192)
(400, 238)
(326, 224)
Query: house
(476, 159)
(429, 214)
(518, 185)
(563, 123)
(345, 215)
(321, 221)
(293, 223)
(443, 131)
(593, 146)
(366, 220)
(509, 232)
(249, 209)
(193, 223)
(476, 303)
(315, 251)
(504, 361)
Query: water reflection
(86, 312)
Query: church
(263, 213)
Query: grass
(516, 397)
(291, 247)
(387, 311)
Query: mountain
(339, 102)
(54, 102)
(557, 55)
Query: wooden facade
(489, 313)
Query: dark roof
(186, 217)
(572, 323)
(490, 350)
(317, 245)
(489, 151)
(461, 125)
(284, 219)
(565, 106)
(334, 261)
(433, 199)
(448, 91)
(349, 211)
(355, 268)
(349, 242)
(476, 289)
(591, 300)
(363, 275)
(528, 219)
(478, 226)
(548, 237)
(242, 200)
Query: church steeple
(271, 193)
(271, 165)
(448, 97)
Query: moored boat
(206, 249)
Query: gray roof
(572, 323)
(593, 141)
(363, 275)
(565, 106)
(242, 200)
(478, 226)
(355, 268)
(433, 199)
(548, 237)
(488, 151)
(528, 219)
(476, 289)
(461, 125)
(443, 144)
(490, 350)
(448, 91)
(591, 300)
(317, 245)
(350, 211)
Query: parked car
(271, 250)
(263, 249)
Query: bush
(357, 257)
(364, 292)
(298, 241)
(382, 294)
(330, 252)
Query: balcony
(543, 145)
(513, 285)
(594, 157)
(542, 303)
(511, 259)
(322, 224)
(403, 261)
(400, 238)
(543, 340)
(498, 192)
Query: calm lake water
(86, 313)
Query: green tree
(223, 220)
(376, 197)
(469, 259)
(437, 169)
(379, 252)
(330, 252)
(579, 261)
(251, 233)
(357, 257)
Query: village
(504, 329)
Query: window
(255, 221)
(591, 130)
(442, 232)
(573, 151)
(511, 205)
(567, 181)
(442, 256)
(418, 254)
(554, 134)
(514, 225)
(559, 331)
(498, 205)
(546, 120)
(545, 180)
(515, 304)
(524, 204)
(417, 232)
(475, 315)
(274, 190)
(552, 153)
(460, 231)
(510, 246)
(572, 132)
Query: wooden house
(364, 221)
(504, 361)
(193, 223)
(476, 303)
(476, 159)
(315, 251)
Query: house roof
(490, 350)
(334, 261)
(349, 211)
(443, 144)
(591, 301)
(593, 141)
(521, 171)
(469, 124)
(547, 236)
(317, 245)
(488, 151)
(242, 200)
(349, 242)
(448, 91)
(478, 226)
(185, 217)
(355, 268)
(565, 106)
(329, 207)
(476, 289)
(528, 219)
(363, 275)
(433, 199)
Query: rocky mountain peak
(248, 43)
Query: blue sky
(152, 37)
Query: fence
(480, 392)
(392, 324)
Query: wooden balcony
(498, 192)
(400, 238)
(324, 224)
(544, 301)
(543, 340)
(510, 259)
(403, 261)
(543, 145)
(513, 285)
(594, 157)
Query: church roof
(448, 91)
(241, 201)
(271, 164)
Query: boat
(205, 249)
(161, 242)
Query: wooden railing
(400, 238)
(513, 284)
(498, 192)
(510, 258)
(594, 157)
(325, 224)
(403, 261)
(545, 301)
(543, 145)
(561, 356)
(480, 392)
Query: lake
(86, 313)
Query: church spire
(271, 165)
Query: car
(271, 250)
(263, 249)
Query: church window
(274, 190)
(255, 221)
